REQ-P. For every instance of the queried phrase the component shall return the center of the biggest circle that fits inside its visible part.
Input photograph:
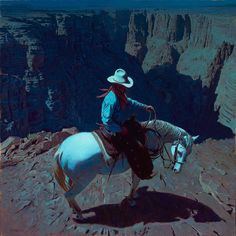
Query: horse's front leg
(133, 194)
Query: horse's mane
(164, 128)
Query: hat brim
(127, 85)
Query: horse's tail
(63, 180)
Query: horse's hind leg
(77, 187)
(66, 183)
(70, 197)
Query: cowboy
(115, 103)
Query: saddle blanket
(109, 152)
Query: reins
(159, 152)
(156, 153)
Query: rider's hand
(124, 131)
(149, 108)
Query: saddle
(107, 143)
(131, 145)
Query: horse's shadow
(151, 207)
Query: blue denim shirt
(112, 115)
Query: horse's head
(181, 150)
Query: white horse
(79, 159)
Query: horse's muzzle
(177, 167)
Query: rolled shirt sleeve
(108, 109)
(136, 104)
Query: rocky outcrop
(212, 81)
(43, 140)
(225, 102)
(194, 38)
(13, 55)
(191, 46)
(34, 87)
(214, 71)
(162, 54)
(198, 201)
(168, 27)
(202, 32)
(64, 24)
(35, 56)
(136, 37)
(13, 107)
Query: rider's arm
(136, 104)
(108, 109)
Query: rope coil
(159, 152)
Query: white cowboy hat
(121, 77)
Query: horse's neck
(153, 140)
(166, 132)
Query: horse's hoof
(76, 210)
(79, 218)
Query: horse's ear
(195, 138)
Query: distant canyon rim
(53, 64)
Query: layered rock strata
(182, 64)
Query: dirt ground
(199, 201)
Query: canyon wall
(53, 64)
(196, 46)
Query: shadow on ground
(151, 207)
